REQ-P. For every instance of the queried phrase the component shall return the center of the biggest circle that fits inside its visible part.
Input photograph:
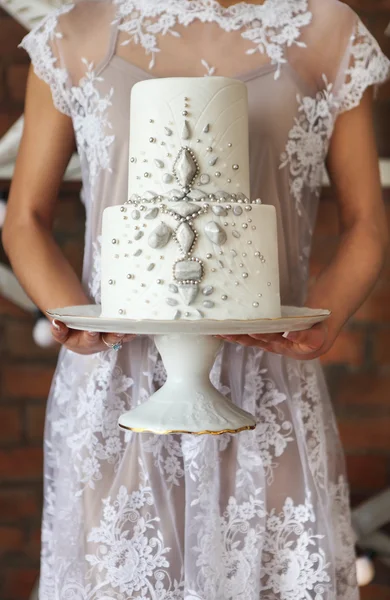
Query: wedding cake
(189, 243)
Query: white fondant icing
(222, 257)
(221, 271)
(219, 102)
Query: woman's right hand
(85, 342)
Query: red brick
(376, 309)
(70, 216)
(327, 223)
(18, 503)
(9, 309)
(382, 348)
(35, 420)
(364, 389)
(33, 546)
(26, 381)
(19, 342)
(16, 82)
(11, 35)
(365, 434)
(367, 472)
(375, 592)
(21, 464)
(347, 349)
(11, 539)
(18, 583)
(10, 424)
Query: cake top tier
(189, 138)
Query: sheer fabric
(264, 514)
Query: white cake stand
(187, 402)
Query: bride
(259, 515)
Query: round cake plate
(87, 318)
(187, 402)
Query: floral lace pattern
(91, 123)
(89, 419)
(38, 45)
(367, 66)
(307, 143)
(271, 27)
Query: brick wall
(357, 368)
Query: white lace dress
(259, 515)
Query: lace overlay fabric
(263, 515)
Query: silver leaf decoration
(196, 195)
(135, 214)
(149, 195)
(150, 267)
(138, 252)
(215, 233)
(167, 178)
(185, 167)
(159, 163)
(219, 211)
(188, 293)
(167, 131)
(213, 160)
(152, 213)
(175, 194)
(177, 315)
(185, 236)
(173, 288)
(138, 235)
(172, 302)
(208, 290)
(206, 128)
(184, 209)
(235, 234)
(222, 194)
(208, 304)
(185, 133)
(160, 236)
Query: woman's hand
(84, 342)
(301, 345)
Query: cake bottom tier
(181, 260)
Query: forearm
(41, 267)
(349, 278)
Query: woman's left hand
(302, 345)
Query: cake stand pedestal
(187, 402)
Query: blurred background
(357, 367)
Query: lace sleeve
(42, 46)
(364, 65)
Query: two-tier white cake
(189, 243)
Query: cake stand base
(187, 402)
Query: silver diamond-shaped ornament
(185, 236)
(185, 167)
(184, 209)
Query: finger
(59, 331)
(89, 339)
(128, 337)
(268, 337)
(309, 340)
(113, 338)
